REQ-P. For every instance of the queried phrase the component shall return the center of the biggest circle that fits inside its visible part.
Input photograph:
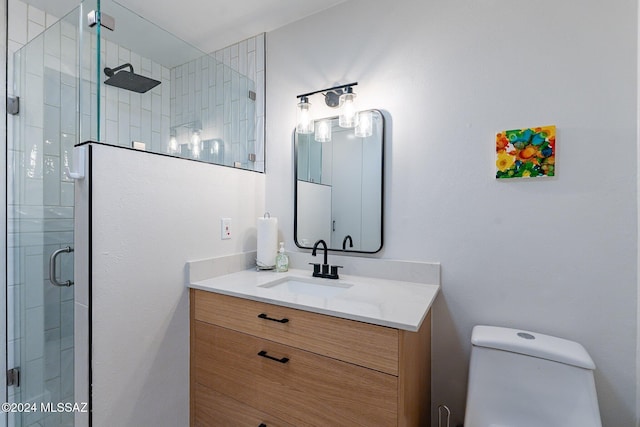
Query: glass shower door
(40, 216)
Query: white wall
(556, 256)
(151, 214)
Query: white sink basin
(325, 288)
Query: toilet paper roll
(267, 242)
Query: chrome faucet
(344, 242)
(323, 270)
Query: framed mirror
(339, 184)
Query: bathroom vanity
(272, 349)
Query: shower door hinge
(106, 21)
(13, 105)
(252, 95)
(13, 377)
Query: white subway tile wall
(222, 95)
(212, 91)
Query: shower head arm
(111, 71)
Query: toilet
(525, 379)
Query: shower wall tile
(124, 96)
(135, 105)
(51, 131)
(33, 374)
(66, 194)
(52, 88)
(33, 283)
(32, 113)
(50, 20)
(68, 103)
(34, 340)
(68, 51)
(124, 126)
(52, 42)
(52, 356)
(36, 15)
(51, 309)
(17, 13)
(51, 181)
(212, 92)
(66, 365)
(66, 325)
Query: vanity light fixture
(338, 96)
(347, 118)
(304, 123)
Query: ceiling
(209, 24)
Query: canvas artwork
(526, 153)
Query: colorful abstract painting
(526, 153)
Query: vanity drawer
(216, 409)
(363, 344)
(305, 389)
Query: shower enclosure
(157, 94)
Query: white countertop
(391, 303)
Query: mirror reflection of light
(195, 151)
(32, 162)
(195, 144)
(364, 128)
(173, 145)
(323, 131)
(65, 159)
(195, 139)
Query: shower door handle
(52, 268)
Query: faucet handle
(316, 268)
(334, 271)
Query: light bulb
(348, 116)
(304, 124)
(364, 128)
(323, 131)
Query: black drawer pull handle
(265, 317)
(264, 354)
(262, 425)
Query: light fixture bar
(327, 89)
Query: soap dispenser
(282, 260)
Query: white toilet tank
(525, 379)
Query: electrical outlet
(225, 228)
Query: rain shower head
(128, 79)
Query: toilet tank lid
(532, 344)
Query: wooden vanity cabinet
(257, 364)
